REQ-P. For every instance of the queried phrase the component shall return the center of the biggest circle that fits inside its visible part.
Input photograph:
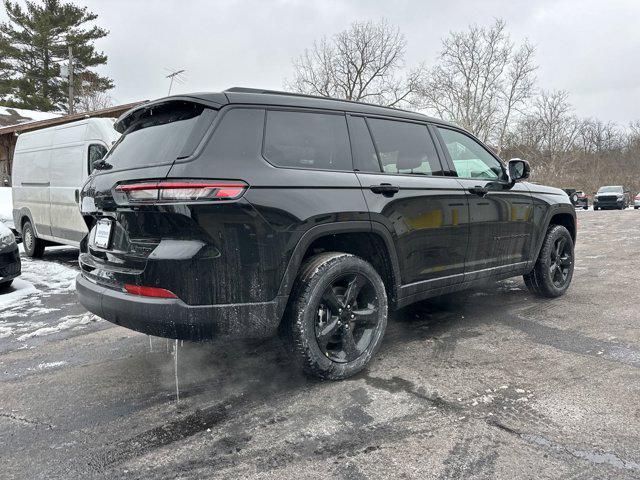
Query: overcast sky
(590, 48)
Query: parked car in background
(636, 202)
(571, 193)
(246, 213)
(611, 197)
(49, 168)
(582, 200)
(9, 257)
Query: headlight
(7, 239)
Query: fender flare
(558, 208)
(308, 237)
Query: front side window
(404, 148)
(96, 152)
(307, 140)
(470, 159)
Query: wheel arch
(361, 238)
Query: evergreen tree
(34, 43)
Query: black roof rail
(261, 91)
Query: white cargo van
(49, 168)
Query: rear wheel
(5, 285)
(33, 246)
(553, 271)
(337, 315)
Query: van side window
(307, 140)
(96, 152)
(365, 158)
(469, 157)
(404, 148)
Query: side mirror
(518, 170)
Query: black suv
(246, 212)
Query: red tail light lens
(637, 197)
(183, 191)
(148, 291)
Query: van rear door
(31, 179)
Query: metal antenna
(175, 75)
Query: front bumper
(608, 204)
(10, 266)
(172, 318)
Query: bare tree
(480, 80)
(361, 63)
(90, 96)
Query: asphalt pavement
(491, 383)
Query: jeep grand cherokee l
(245, 213)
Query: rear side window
(404, 148)
(161, 134)
(307, 140)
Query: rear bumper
(10, 266)
(172, 318)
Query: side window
(96, 152)
(307, 140)
(404, 147)
(469, 157)
(365, 158)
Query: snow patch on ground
(47, 366)
(69, 322)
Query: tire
(595, 208)
(326, 339)
(5, 285)
(547, 280)
(585, 208)
(33, 246)
(635, 208)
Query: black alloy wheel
(337, 315)
(347, 318)
(561, 262)
(553, 271)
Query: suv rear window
(161, 134)
(307, 140)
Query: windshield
(160, 134)
(610, 190)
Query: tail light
(148, 291)
(637, 197)
(182, 191)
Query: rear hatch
(153, 137)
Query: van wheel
(553, 271)
(337, 315)
(33, 246)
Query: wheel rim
(348, 318)
(561, 262)
(28, 238)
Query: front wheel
(553, 271)
(337, 316)
(5, 285)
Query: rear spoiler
(130, 116)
